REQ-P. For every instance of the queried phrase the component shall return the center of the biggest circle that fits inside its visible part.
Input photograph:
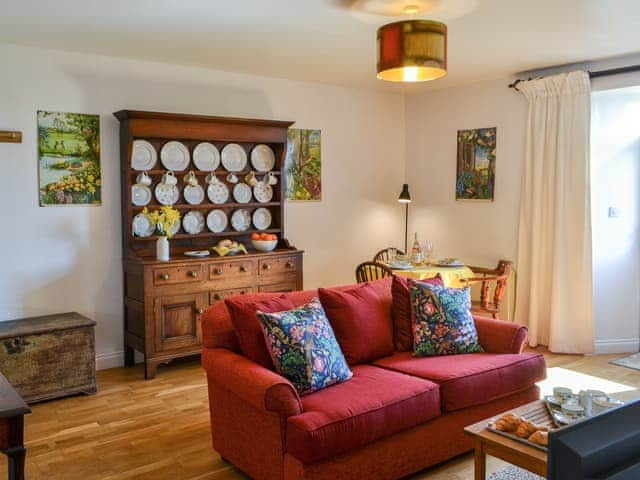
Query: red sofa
(396, 416)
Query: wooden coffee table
(511, 451)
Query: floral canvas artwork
(475, 179)
(302, 165)
(69, 159)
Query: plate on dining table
(449, 262)
(400, 266)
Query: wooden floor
(159, 429)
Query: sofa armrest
(499, 336)
(258, 386)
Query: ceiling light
(412, 51)
(411, 9)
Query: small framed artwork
(303, 165)
(476, 170)
(68, 159)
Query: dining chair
(487, 277)
(384, 256)
(368, 271)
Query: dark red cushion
(402, 311)
(361, 320)
(247, 326)
(473, 378)
(375, 403)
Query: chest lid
(43, 324)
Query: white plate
(174, 156)
(193, 194)
(242, 193)
(167, 194)
(142, 226)
(197, 253)
(234, 158)
(263, 192)
(193, 222)
(241, 220)
(140, 195)
(218, 192)
(449, 262)
(262, 158)
(262, 218)
(206, 157)
(400, 266)
(217, 221)
(143, 156)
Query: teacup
(232, 178)
(169, 178)
(251, 179)
(563, 394)
(572, 410)
(602, 404)
(144, 179)
(212, 178)
(271, 178)
(190, 178)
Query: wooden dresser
(164, 300)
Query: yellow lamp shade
(412, 51)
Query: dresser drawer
(276, 265)
(279, 287)
(181, 274)
(232, 269)
(219, 295)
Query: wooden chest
(49, 357)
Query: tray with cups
(217, 177)
(567, 407)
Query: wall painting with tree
(476, 172)
(68, 159)
(302, 166)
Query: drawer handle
(242, 292)
(199, 311)
(164, 276)
(243, 268)
(289, 265)
(217, 271)
(193, 273)
(266, 266)
(217, 296)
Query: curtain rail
(599, 73)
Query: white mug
(272, 179)
(144, 179)
(232, 178)
(212, 178)
(562, 393)
(169, 178)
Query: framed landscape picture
(476, 172)
(302, 165)
(68, 159)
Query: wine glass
(428, 250)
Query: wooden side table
(515, 453)
(12, 412)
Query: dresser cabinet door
(177, 321)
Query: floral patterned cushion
(304, 348)
(443, 323)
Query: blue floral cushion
(443, 323)
(304, 348)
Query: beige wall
(69, 258)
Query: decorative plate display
(193, 194)
(241, 220)
(206, 157)
(197, 253)
(167, 194)
(262, 158)
(174, 156)
(142, 226)
(143, 156)
(217, 221)
(218, 192)
(193, 222)
(263, 192)
(242, 193)
(234, 158)
(262, 218)
(140, 195)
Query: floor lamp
(405, 198)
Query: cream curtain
(554, 295)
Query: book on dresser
(163, 300)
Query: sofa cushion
(361, 320)
(402, 311)
(247, 326)
(473, 378)
(375, 403)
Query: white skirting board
(109, 360)
(618, 345)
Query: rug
(632, 361)
(514, 473)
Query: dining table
(452, 276)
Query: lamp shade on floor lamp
(405, 198)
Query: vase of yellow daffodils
(164, 219)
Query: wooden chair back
(384, 256)
(498, 276)
(368, 271)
